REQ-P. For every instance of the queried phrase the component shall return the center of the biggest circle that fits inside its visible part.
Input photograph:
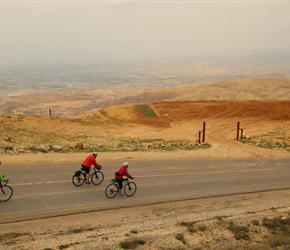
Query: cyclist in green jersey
(1, 175)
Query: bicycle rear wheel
(130, 189)
(6, 193)
(97, 178)
(78, 180)
(111, 190)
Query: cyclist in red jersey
(87, 163)
(119, 176)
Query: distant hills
(167, 72)
(75, 88)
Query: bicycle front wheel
(97, 178)
(130, 189)
(6, 193)
(78, 180)
(111, 190)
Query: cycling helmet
(125, 164)
(95, 153)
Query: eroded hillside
(179, 111)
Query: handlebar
(126, 179)
(100, 168)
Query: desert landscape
(195, 95)
(156, 129)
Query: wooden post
(203, 134)
(238, 130)
(49, 112)
(199, 133)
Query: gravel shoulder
(190, 224)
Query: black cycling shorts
(87, 170)
(120, 182)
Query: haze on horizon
(116, 31)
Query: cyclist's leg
(87, 170)
(120, 183)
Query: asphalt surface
(46, 190)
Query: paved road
(45, 190)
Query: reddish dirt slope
(193, 110)
(268, 110)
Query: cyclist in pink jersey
(119, 176)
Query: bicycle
(6, 191)
(112, 189)
(79, 177)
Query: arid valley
(163, 123)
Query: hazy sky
(124, 30)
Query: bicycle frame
(96, 177)
(5, 183)
(112, 189)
